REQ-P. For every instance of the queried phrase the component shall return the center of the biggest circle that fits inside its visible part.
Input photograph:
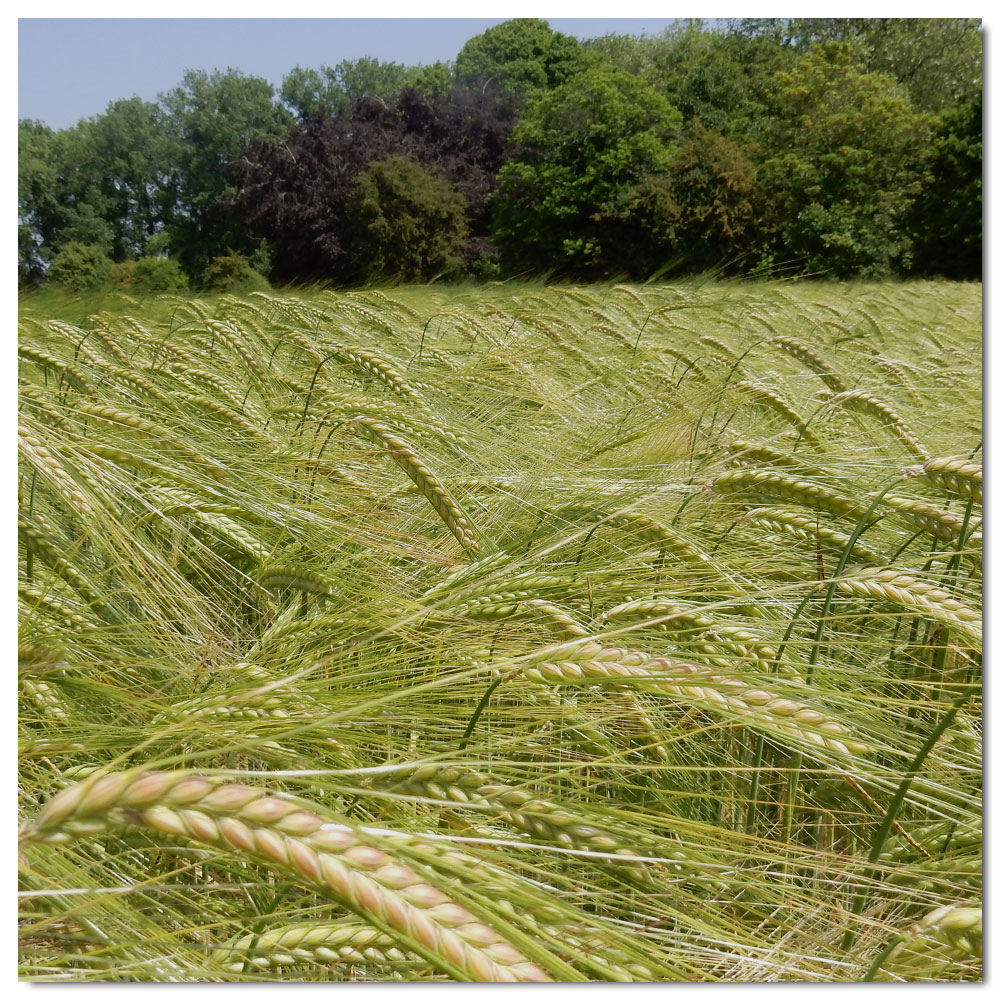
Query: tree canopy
(838, 146)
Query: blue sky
(70, 69)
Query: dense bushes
(232, 273)
(404, 223)
(80, 268)
(149, 274)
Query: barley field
(520, 633)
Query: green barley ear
(948, 938)
(425, 481)
(956, 475)
(326, 855)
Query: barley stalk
(862, 401)
(956, 475)
(425, 481)
(900, 588)
(808, 529)
(321, 942)
(694, 684)
(336, 859)
(774, 484)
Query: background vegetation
(843, 146)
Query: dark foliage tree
(295, 192)
(947, 220)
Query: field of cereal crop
(521, 633)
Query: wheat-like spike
(321, 942)
(232, 534)
(74, 374)
(339, 411)
(898, 587)
(811, 359)
(40, 399)
(366, 315)
(138, 382)
(716, 637)
(948, 934)
(297, 577)
(694, 684)
(805, 527)
(773, 484)
(721, 346)
(614, 335)
(372, 364)
(690, 364)
(231, 336)
(937, 522)
(767, 397)
(51, 469)
(471, 571)
(55, 608)
(344, 862)
(408, 460)
(755, 454)
(956, 475)
(535, 816)
(37, 659)
(122, 418)
(49, 551)
(553, 615)
(43, 696)
(897, 372)
(136, 462)
(931, 876)
(642, 526)
(219, 386)
(221, 411)
(861, 401)
(107, 340)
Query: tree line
(844, 146)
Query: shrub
(80, 267)
(149, 274)
(232, 273)
(404, 222)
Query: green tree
(718, 79)
(331, 89)
(126, 157)
(60, 199)
(523, 54)
(947, 220)
(41, 207)
(939, 60)
(571, 195)
(213, 118)
(843, 161)
(403, 222)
